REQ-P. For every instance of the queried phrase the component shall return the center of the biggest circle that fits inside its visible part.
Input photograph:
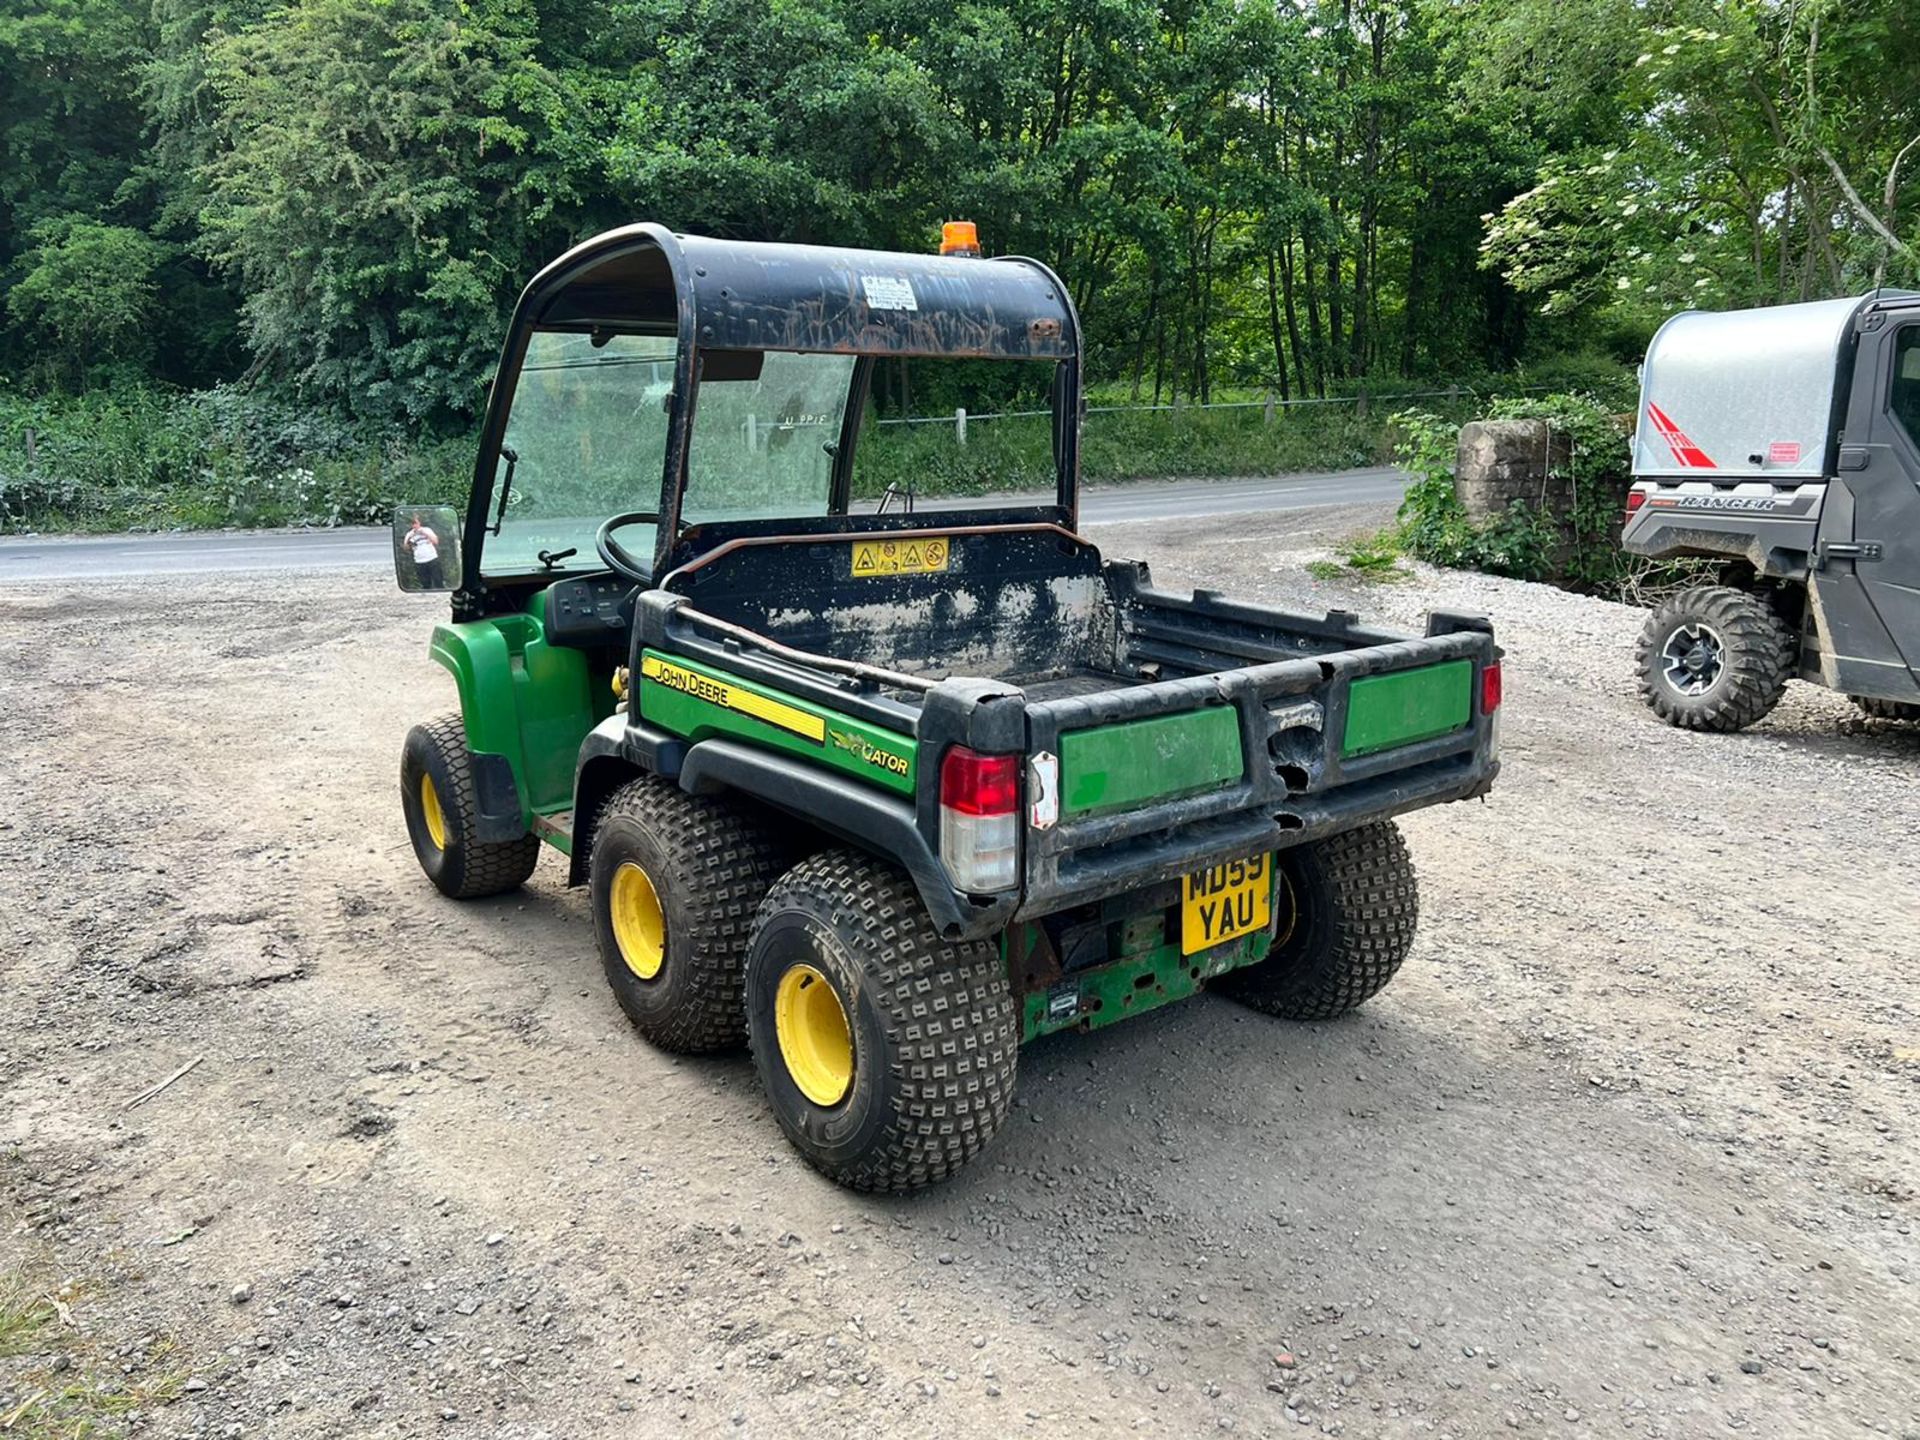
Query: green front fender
(523, 699)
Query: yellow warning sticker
(734, 697)
(900, 557)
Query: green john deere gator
(886, 795)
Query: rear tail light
(980, 819)
(1490, 696)
(1635, 499)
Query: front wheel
(441, 802)
(1346, 912)
(1714, 658)
(888, 1054)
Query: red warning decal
(1784, 452)
(1686, 454)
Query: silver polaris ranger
(1785, 443)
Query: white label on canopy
(889, 292)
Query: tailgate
(1386, 711)
(1167, 778)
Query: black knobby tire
(710, 864)
(1755, 655)
(1886, 709)
(934, 1029)
(1347, 910)
(459, 863)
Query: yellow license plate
(1225, 902)
(899, 557)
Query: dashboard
(593, 610)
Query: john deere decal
(733, 697)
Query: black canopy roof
(751, 295)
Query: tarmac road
(367, 547)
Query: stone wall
(1501, 461)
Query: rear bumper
(1295, 785)
(1093, 867)
(1087, 862)
(1772, 527)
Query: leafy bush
(1433, 522)
(86, 293)
(1520, 541)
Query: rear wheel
(1345, 918)
(441, 803)
(674, 880)
(1714, 658)
(888, 1054)
(1886, 709)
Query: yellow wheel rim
(1291, 915)
(431, 813)
(639, 926)
(816, 1043)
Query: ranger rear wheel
(888, 1054)
(441, 803)
(1886, 709)
(1714, 658)
(1345, 918)
(674, 880)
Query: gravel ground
(1625, 1149)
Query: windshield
(589, 425)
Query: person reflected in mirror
(425, 545)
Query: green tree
(1301, 196)
(70, 118)
(1766, 153)
(380, 180)
(87, 293)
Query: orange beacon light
(959, 237)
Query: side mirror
(426, 547)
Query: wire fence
(759, 432)
(961, 418)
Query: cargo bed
(1164, 731)
(1031, 606)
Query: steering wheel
(615, 555)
